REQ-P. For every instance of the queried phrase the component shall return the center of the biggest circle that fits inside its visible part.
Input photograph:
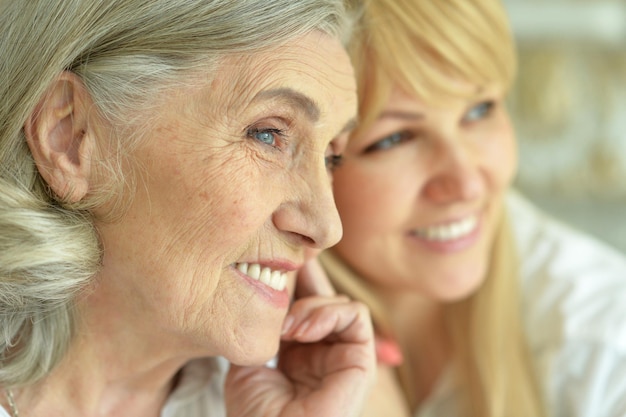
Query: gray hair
(125, 52)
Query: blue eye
(479, 111)
(266, 136)
(389, 142)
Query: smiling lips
(448, 232)
(276, 280)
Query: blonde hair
(125, 52)
(493, 363)
(418, 46)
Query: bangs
(420, 47)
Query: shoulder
(545, 243)
(587, 379)
(574, 308)
(573, 286)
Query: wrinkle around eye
(265, 156)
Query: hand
(326, 364)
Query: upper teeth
(450, 231)
(274, 279)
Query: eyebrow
(293, 98)
(405, 115)
(302, 102)
(397, 114)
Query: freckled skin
(210, 195)
(447, 170)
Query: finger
(301, 309)
(312, 280)
(254, 391)
(344, 321)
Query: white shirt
(200, 391)
(574, 309)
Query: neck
(420, 330)
(87, 383)
(114, 367)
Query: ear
(60, 138)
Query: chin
(456, 288)
(255, 353)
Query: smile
(447, 232)
(276, 280)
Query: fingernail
(287, 324)
(302, 329)
(388, 352)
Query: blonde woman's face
(234, 190)
(420, 193)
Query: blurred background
(569, 109)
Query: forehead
(310, 72)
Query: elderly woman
(497, 310)
(164, 173)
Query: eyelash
(389, 141)
(333, 161)
(251, 132)
(485, 108)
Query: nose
(457, 175)
(309, 215)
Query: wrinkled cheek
(225, 206)
(220, 225)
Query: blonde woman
(483, 306)
(164, 174)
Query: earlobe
(60, 138)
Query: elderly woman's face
(233, 188)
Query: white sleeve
(586, 380)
